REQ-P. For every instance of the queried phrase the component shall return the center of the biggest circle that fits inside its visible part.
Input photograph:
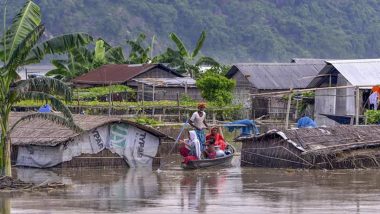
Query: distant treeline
(255, 30)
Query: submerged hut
(338, 147)
(105, 141)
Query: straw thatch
(333, 147)
(47, 133)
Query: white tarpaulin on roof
(136, 146)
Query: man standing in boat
(198, 121)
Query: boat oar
(179, 135)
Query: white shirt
(373, 99)
(197, 120)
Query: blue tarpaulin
(306, 122)
(247, 127)
(45, 108)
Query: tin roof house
(255, 78)
(151, 81)
(353, 79)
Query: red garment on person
(184, 151)
(189, 158)
(219, 140)
(211, 155)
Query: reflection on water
(196, 189)
(229, 190)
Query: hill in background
(238, 31)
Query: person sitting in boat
(210, 151)
(191, 146)
(218, 138)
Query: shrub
(146, 121)
(216, 88)
(373, 116)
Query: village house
(150, 81)
(36, 70)
(354, 79)
(256, 78)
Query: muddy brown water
(217, 190)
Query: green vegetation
(19, 46)
(185, 61)
(216, 88)
(139, 54)
(373, 116)
(124, 104)
(82, 59)
(146, 121)
(307, 98)
(91, 94)
(255, 30)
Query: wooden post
(186, 87)
(213, 118)
(110, 100)
(79, 110)
(296, 112)
(357, 105)
(288, 109)
(143, 94)
(153, 92)
(330, 80)
(179, 112)
(142, 98)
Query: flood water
(227, 190)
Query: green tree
(221, 69)
(185, 61)
(80, 60)
(139, 53)
(19, 47)
(216, 88)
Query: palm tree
(185, 61)
(18, 47)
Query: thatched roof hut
(103, 136)
(46, 133)
(329, 148)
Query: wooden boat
(222, 161)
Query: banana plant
(138, 53)
(185, 61)
(83, 59)
(19, 46)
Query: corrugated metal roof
(39, 69)
(308, 60)
(277, 75)
(168, 82)
(117, 73)
(361, 72)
